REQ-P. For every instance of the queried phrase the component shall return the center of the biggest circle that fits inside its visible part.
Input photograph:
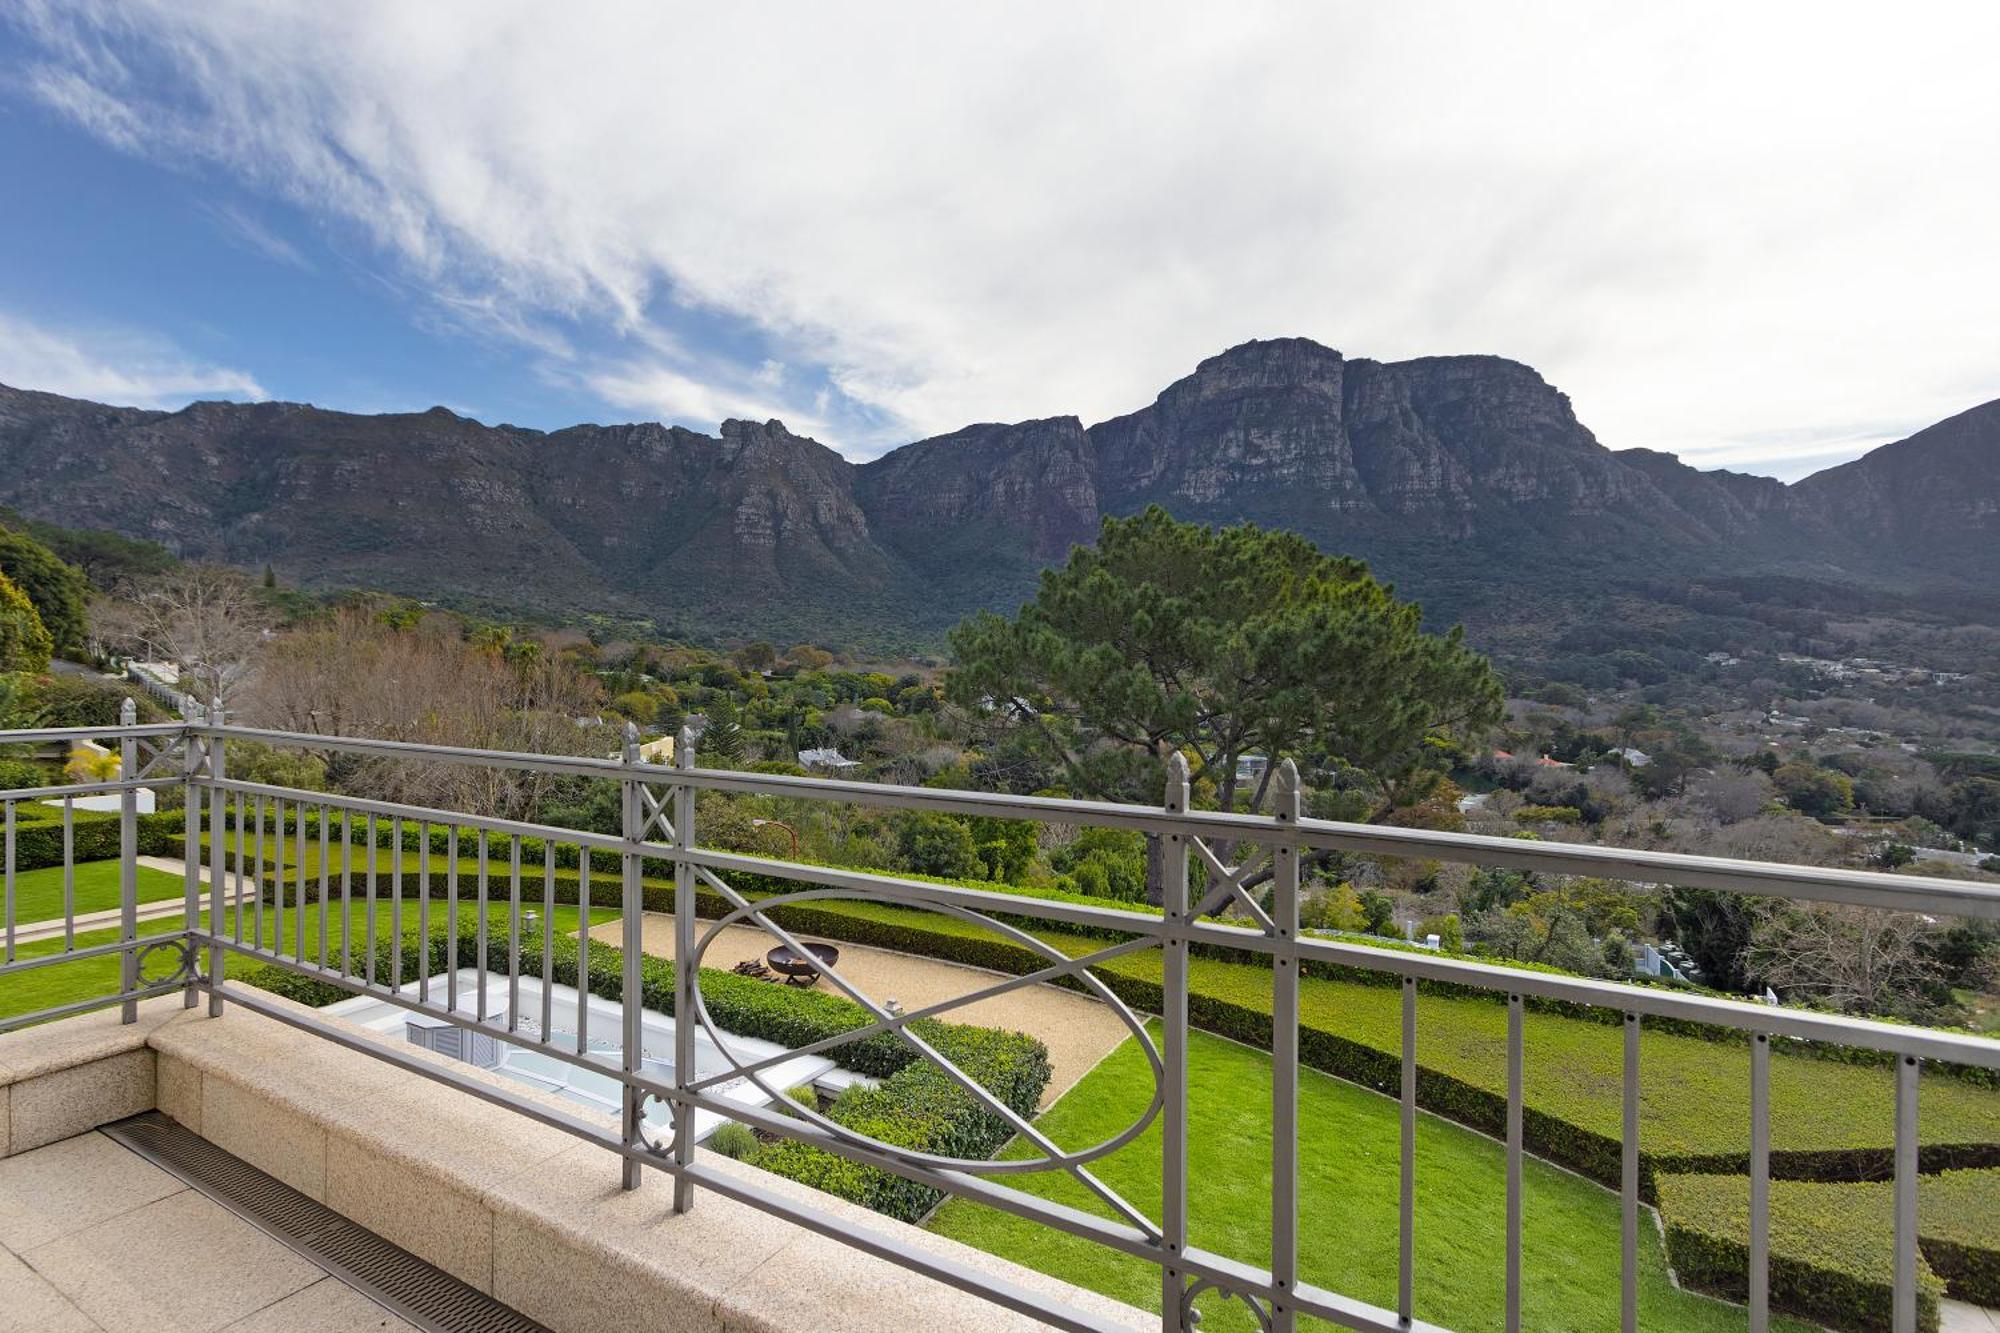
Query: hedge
(915, 1105)
(1958, 1227)
(1958, 1222)
(659, 898)
(1351, 1029)
(38, 835)
(923, 1109)
(1831, 1259)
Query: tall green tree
(59, 590)
(1222, 643)
(24, 641)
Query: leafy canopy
(1221, 642)
(24, 641)
(58, 590)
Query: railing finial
(1287, 803)
(684, 747)
(128, 712)
(215, 714)
(1177, 782)
(631, 742)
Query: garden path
(1078, 1030)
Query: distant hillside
(1468, 480)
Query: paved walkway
(96, 1239)
(1078, 1030)
(28, 932)
(1958, 1317)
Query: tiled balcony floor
(94, 1237)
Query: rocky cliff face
(1466, 473)
(1933, 499)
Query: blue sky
(1749, 242)
(187, 283)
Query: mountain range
(1466, 479)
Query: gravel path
(1078, 1030)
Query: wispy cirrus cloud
(120, 366)
(1724, 231)
(252, 233)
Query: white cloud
(668, 394)
(115, 366)
(251, 233)
(1737, 232)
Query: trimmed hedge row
(1958, 1226)
(659, 898)
(1958, 1223)
(38, 835)
(915, 1105)
(1234, 1002)
(922, 1109)
(1831, 1246)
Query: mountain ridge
(1448, 473)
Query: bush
(38, 835)
(24, 642)
(923, 1109)
(294, 986)
(1450, 933)
(1831, 1256)
(80, 701)
(18, 774)
(1958, 1228)
(1548, 814)
(731, 1140)
(936, 844)
(1958, 1221)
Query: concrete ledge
(535, 1216)
(523, 1211)
(58, 1080)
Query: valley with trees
(1240, 650)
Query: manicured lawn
(284, 852)
(38, 894)
(1694, 1093)
(44, 987)
(1348, 1204)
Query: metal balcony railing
(659, 826)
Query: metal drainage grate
(387, 1274)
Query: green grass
(1348, 1185)
(85, 978)
(38, 894)
(1694, 1093)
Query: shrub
(936, 844)
(294, 986)
(923, 1109)
(1548, 814)
(81, 701)
(1958, 1221)
(38, 835)
(731, 1140)
(1450, 933)
(1958, 1226)
(24, 641)
(16, 774)
(1831, 1259)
